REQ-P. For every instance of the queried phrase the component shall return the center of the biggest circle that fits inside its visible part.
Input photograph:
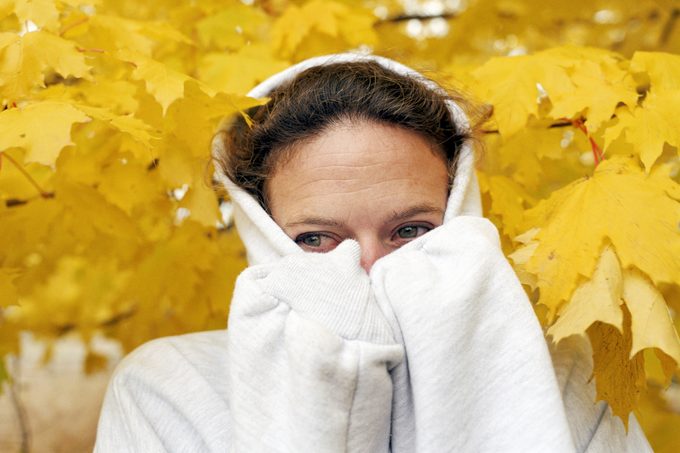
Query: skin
(381, 185)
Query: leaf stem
(43, 193)
(73, 25)
(598, 155)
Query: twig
(20, 410)
(552, 126)
(407, 17)
(668, 26)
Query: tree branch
(669, 26)
(407, 17)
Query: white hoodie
(437, 349)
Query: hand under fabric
(477, 374)
(310, 355)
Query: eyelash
(394, 237)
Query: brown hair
(324, 95)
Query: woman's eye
(317, 242)
(411, 231)
(313, 240)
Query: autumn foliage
(109, 222)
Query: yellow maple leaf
(128, 124)
(24, 228)
(596, 91)
(508, 200)
(194, 117)
(350, 27)
(163, 82)
(230, 28)
(520, 257)
(42, 129)
(201, 203)
(597, 299)
(516, 85)
(649, 126)
(652, 325)
(24, 61)
(532, 155)
(115, 33)
(130, 186)
(576, 220)
(119, 96)
(238, 72)
(43, 13)
(662, 69)
(619, 379)
(13, 181)
(103, 219)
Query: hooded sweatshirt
(436, 349)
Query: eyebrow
(413, 211)
(395, 217)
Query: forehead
(358, 170)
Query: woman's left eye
(317, 242)
(411, 232)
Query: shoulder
(184, 359)
(172, 390)
(197, 350)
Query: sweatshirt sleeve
(477, 376)
(310, 355)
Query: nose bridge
(372, 249)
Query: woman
(409, 332)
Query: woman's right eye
(317, 242)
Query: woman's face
(380, 185)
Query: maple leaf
(119, 96)
(231, 27)
(508, 200)
(619, 379)
(115, 33)
(597, 90)
(649, 126)
(513, 86)
(42, 129)
(576, 220)
(652, 324)
(130, 125)
(24, 61)
(163, 82)
(130, 186)
(217, 69)
(662, 69)
(14, 185)
(193, 118)
(598, 299)
(43, 13)
(332, 19)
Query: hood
(265, 241)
